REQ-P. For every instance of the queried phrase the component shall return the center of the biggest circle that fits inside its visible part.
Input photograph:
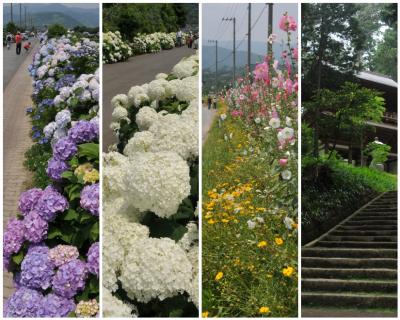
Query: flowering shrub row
(150, 183)
(252, 201)
(115, 49)
(51, 247)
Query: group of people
(18, 42)
(191, 40)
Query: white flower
(120, 100)
(288, 223)
(286, 174)
(285, 134)
(155, 268)
(146, 117)
(49, 129)
(223, 116)
(119, 113)
(288, 121)
(251, 224)
(275, 123)
(140, 142)
(257, 120)
(115, 308)
(63, 118)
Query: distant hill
(46, 14)
(258, 49)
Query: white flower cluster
(154, 42)
(113, 307)
(153, 175)
(114, 48)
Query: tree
(345, 112)
(331, 42)
(11, 28)
(56, 30)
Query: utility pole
(20, 15)
(216, 63)
(25, 17)
(249, 40)
(12, 18)
(234, 45)
(270, 22)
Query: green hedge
(332, 190)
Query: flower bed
(116, 50)
(51, 247)
(250, 195)
(150, 183)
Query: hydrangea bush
(115, 49)
(51, 247)
(150, 185)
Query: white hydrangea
(186, 67)
(115, 308)
(119, 113)
(155, 268)
(161, 76)
(146, 117)
(140, 142)
(120, 100)
(156, 181)
(156, 89)
(193, 289)
(188, 89)
(175, 133)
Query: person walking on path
(18, 41)
(209, 100)
(27, 46)
(8, 40)
(215, 102)
(179, 38)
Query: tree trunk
(350, 156)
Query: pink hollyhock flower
(288, 67)
(287, 23)
(237, 113)
(289, 86)
(261, 72)
(283, 162)
(295, 53)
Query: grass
(241, 183)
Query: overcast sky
(214, 29)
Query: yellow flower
(278, 241)
(262, 244)
(205, 314)
(219, 276)
(264, 310)
(288, 271)
(91, 176)
(225, 220)
(211, 221)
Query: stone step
(348, 253)
(355, 222)
(334, 285)
(352, 263)
(363, 233)
(357, 244)
(367, 227)
(361, 238)
(338, 273)
(354, 300)
(370, 217)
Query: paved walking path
(207, 120)
(120, 77)
(351, 271)
(16, 141)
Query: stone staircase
(354, 265)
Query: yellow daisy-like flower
(219, 276)
(278, 241)
(211, 221)
(205, 314)
(262, 244)
(288, 271)
(263, 310)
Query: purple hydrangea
(70, 278)
(28, 199)
(93, 259)
(24, 303)
(35, 227)
(55, 168)
(54, 306)
(50, 203)
(62, 254)
(64, 149)
(90, 199)
(14, 237)
(37, 270)
(83, 131)
(38, 248)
